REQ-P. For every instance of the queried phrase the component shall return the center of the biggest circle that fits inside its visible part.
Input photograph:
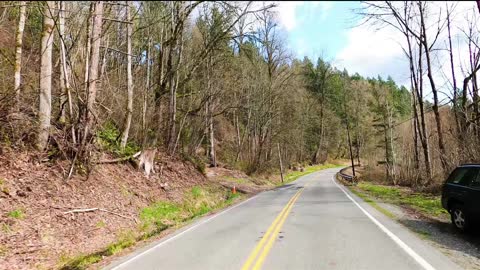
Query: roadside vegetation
(294, 175)
(155, 219)
(160, 86)
(426, 204)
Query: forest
(121, 121)
(215, 84)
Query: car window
(463, 176)
(476, 180)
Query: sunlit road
(310, 224)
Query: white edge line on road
(395, 238)
(181, 233)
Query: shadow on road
(444, 234)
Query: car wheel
(459, 218)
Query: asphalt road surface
(312, 223)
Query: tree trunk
(211, 134)
(93, 69)
(391, 144)
(63, 94)
(423, 133)
(159, 92)
(128, 118)
(18, 51)
(88, 47)
(417, 85)
(350, 147)
(65, 72)
(146, 92)
(172, 113)
(45, 108)
(452, 67)
(415, 127)
(436, 112)
(174, 82)
(213, 157)
(320, 140)
(473, 64)
(280, 160)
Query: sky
(331, 30)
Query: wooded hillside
(214, 83)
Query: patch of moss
(16, 214)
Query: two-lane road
(312, 223)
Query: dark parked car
(461, 196)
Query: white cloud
(325, 6)
(289, 18)
(286, 13)
(372, 53)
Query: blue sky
(321, 28)
(330, 29)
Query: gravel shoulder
(436, 230)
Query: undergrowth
(156, 218)
(108, 137)
(424, 203)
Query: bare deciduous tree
(129, 111)
(18, 49)
(45, 108)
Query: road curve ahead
(312, 223)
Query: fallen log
(98, 209)
(119, 159)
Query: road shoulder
(388, 218)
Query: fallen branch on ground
(98, 209)
(120, 159)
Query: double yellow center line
(262, 249)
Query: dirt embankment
(35, 231)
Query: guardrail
(347, 177)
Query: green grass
(6, 228)
(82, 261)
(236, 180)
(100, 224)
(374, 204)
(292, 176)
(196, 192)
(126, 239)
(79, 262)
(159, 215)
(108, 138)
(16, 214)
(157, 218)
(231, 198)
(427, 204)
